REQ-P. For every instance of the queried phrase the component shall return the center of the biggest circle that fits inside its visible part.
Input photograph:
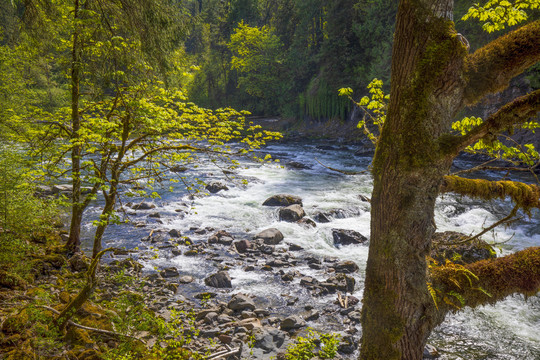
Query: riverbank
(180, 240)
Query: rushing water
(508, 330)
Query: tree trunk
(74, 241)
(103, 223)
(408, 168)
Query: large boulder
(143, 206)
(292, 322)
(242, 245)
(79, 262)
(347, 237)
(449, 245)
(240, 302)
(282, 200)
(346, 267)
(179, 168)
(340, 282)
(270, 236)
(267, 343)
(169, 272)
(220, 280)
(321, 217)
(291, 213)
(216, 186)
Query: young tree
(81, 28)
(433, 78)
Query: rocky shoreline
(248, 325)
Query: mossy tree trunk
(432, 74)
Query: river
(508, 330)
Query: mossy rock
(17, 323)
(56, 260)
(90, 354)
(12, 281)
(447, 246)
(20, 354)
(46, 263)
(80, 337)
(132, 296)
(37, 292)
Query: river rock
(270, 236)
(79, 262)
(347, 237)
(321, 218)
(340, 282)
(174, 233)
(216, 186)
(297, 165)
(283, 200)
(186, 279)
(267, 343)
(430, 352)
(155, 215)
(221, 237)
(220, 279)
(294, 247)
(179, 168)
(242, 246)
(143, 206)
(309, 282)
(446, 246)
(169, 272)
(291, 213)
(346, 267)
(67, 189)
(44, 190)
(347, 345)
(292, 322)
(240, 302)
(306, 222)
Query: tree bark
(104, 219)
(432, 77)
(74, 241)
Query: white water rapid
(507, 330)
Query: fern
(457, 296)
(433, 294)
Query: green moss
(12, 281)
(525, 196)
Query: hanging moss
(526, 196)
(488, 281)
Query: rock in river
(220, 279)
(216, 186)
(450, 245)
(291, 213)
(270, 236)
(143, 206)
(240, 302)
(346, 267)
(292, 322)
(221, 237)
(282, 200)
(169, 272)
(347, 237)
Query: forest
(258, 179)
